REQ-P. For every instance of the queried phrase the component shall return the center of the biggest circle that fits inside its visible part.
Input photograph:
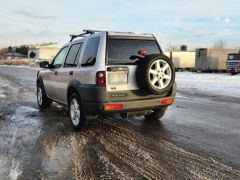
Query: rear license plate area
(117, 78)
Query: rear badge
(119, 95)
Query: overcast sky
(194, 23)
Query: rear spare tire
(155, 74)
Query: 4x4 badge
(119, 95)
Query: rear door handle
(56, 73)
(71, 73)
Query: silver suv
(100, 72)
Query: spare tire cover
(155, 74)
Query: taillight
(112, 107)
(167, 101)
(101, 79)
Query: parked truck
(212, 59)
(233, 63)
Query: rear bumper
(127, 106)
(94, 108)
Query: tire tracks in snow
(113, 150)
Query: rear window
(121, 50)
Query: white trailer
(183, 59)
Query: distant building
(43, 52)
(14, 55)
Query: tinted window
(59, 59)
(90, 52)
(121, 50)
(72, 55)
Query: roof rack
(92, 31)
(122, 32)
(87, 31)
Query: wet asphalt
(198, 138)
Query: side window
(78, 55)
(59, 59)
(90, 52)
(73, 55)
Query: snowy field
(215, 83)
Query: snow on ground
(22, 66)
(3, 84)
(215, 83)
(2, 95)
(15, 172)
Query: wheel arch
(39, 81)
(73, 87)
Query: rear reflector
(166, 101)
(112, 107)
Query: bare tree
(219, 44)
(172, 47)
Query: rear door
(121, 66)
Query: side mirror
(44, 64)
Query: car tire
(164, 77)
(156, 114)
(42, 99)
(76, 112)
